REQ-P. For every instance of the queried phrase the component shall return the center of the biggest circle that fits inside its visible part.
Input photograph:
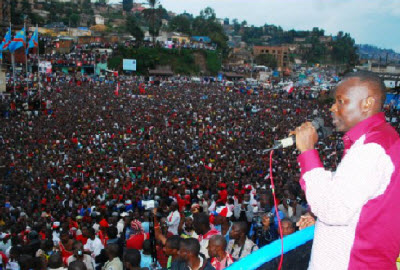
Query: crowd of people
(174, 176)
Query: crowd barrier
(269, 252)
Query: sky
(375, 22)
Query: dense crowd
(87, 171)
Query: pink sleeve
(308, 160)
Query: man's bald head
(219, 240)
(373, 84)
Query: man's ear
(368, 104)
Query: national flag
(34, 41)
(116, 92)
(18, 41)
(289, 88)
(6, 41)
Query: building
(281, 53)
(377, 67)
(99, 19)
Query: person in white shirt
(80, 256)
(173, 219)
(93, 244)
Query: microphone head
(324, 132)
(318, 123)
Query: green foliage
(266, 60)
(317, 53)
(127, 5)
(181, 23)
(115, 63)
(133, 28)
(153, 16)
(344, 50)
(74, 19)
(36, 19)
(213, 62)
(181, 61)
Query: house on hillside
(179, 38)
(99, 20)
(325, 39)
(281, 53)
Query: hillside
(366, 51)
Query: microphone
(318, 124)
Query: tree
(153, 15)
(266, 60)
(344, 50)
(208, 14)
(181, 23)
(127, 5)
(74, 19)
(134, 29)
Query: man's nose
(333, 108)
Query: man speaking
(358, 206)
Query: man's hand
(306, 137)
(305, 221)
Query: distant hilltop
(366, 51)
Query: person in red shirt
(223, 193)
(102, 232)
(137, 237)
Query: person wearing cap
(56, 232)
(5, 241)
(102, 231)
(186, 228)
(222, 221)
(137, 236)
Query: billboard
(129, 64)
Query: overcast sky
(375, 22)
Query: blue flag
(34, 41)
(6, 41)
(18, 41)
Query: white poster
(45, 67)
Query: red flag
(116, 92)
(289, 88)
